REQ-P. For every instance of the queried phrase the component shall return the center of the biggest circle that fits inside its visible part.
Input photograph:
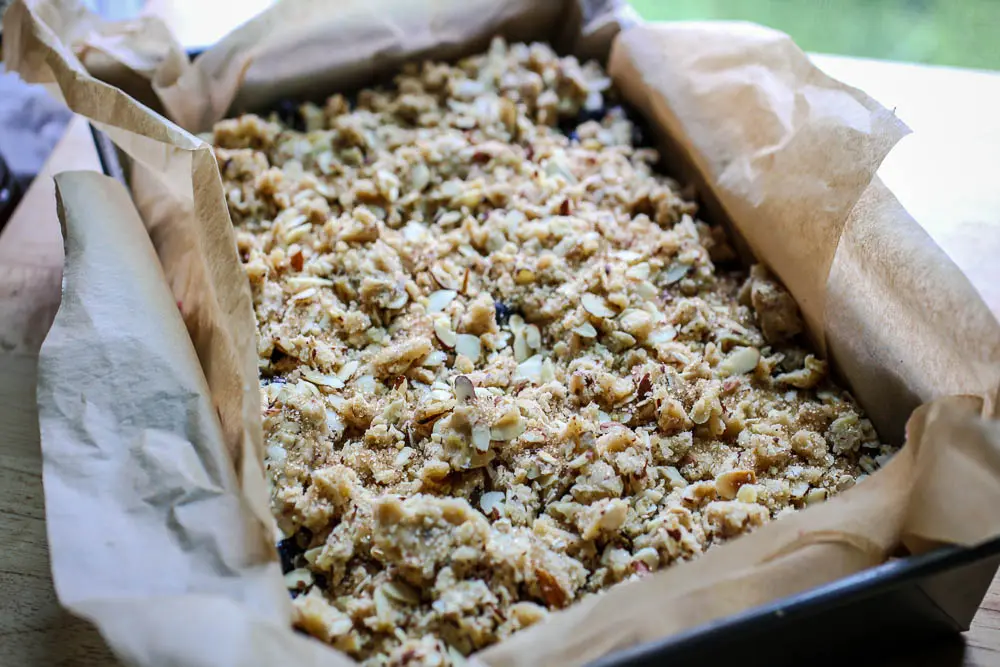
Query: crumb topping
(503, 364)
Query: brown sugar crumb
(500, 371)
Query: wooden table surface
(945, 174)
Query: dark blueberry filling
(503, 312)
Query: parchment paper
(131, 440)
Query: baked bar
(503, 365)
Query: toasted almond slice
(365, 384)
(596, 305)
(403, 457)
(468, 345)
(445, 279)
(397, 300)
(530, 369)
(548, 373)
(815, 496)
(533, 336)
(675, 478)
(510, 425)
(322, 379)
(490, 501)
(741, 360)
(481, 436)
(662, 335)
(585, 330)
(675, 273)
(435, 359)
(299, 579)
(440, 300)
(520, 346)
(464, 389)
(399, 591)
(302, 282)
(638, 272)
(648, 556)
(444, 332)
(347, 370)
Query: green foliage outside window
(964, 33)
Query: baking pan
(931, 595)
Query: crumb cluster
(500, 369)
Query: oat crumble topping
(500, 368)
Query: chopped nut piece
(729, 483)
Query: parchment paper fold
(156, 501)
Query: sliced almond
(347, 370)
(445, 279)
(399, 591)
(585, 330)
(636, 322)
(304, 295)
(662, 335)
(548, 373)
(396, 301)
(298, 283)
(435, 359)
(440, 300)
(403, 457)
(299, 579)
(675, 273)
(464, 389)
(530, 369)
(596, 305)
(492, 500)
(444, 332)
(509, 426)
(533, 437)
(520, 346)
(675, 477)
(646, 290)
(814, 496)
(533, 336)
(741, 360)
(638, 272)
(648, 556)
(365, 384)
(799, 489)
(469, 346)
(481, 437)
(516, 323)
(322, 379)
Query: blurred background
(963, 33)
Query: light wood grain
(34, 630)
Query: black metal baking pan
(933, 594)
